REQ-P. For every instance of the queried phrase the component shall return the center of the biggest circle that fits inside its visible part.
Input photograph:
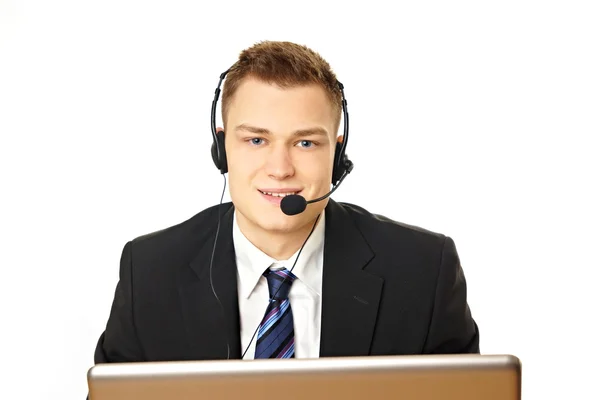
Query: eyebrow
(300, 132)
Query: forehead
(272, 107)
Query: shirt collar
(252, 262)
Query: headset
(341, 168)
(341, 165)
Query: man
(333, 280)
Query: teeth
(277, 194)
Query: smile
(277, 194)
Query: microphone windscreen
(293, 204)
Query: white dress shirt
(305, 294)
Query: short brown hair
(285, 64)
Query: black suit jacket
(388, 289)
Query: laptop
(419, 377)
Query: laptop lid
(432, 377)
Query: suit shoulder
(183, 228)
(381, 225)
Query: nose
(279, 163)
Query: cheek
(240, 161)
(318, 172)
(242, 170)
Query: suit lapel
(350, 294)
(207, 320)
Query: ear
(340, 138)
(220, 129)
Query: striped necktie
(276, 331)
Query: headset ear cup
(215, 156)
(338, 164)
(218, 153)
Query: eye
(306, 143)
(256, 141)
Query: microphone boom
(295, 204)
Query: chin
(272, 219)
(269, 216)
(280, 222)
(276, 220)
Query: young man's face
(278, 141)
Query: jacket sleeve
(119, 342)
(452, 329)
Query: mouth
(274, 196)
(279, 194)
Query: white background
(479, 120)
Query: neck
(280, 245)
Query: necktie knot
(280, 282)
